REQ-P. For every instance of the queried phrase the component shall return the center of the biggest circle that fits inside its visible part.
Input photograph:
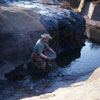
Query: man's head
(46, 37)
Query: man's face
(46, 39)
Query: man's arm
(43, 56)
(50, 49)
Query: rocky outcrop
(69, 3)
(91, 14)
(93, 30)
(94, 11)
(93, 33)
(21, 27)
(65, 28)
(87, 90)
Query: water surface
(77, 67)
(88, 61)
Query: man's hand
(45, 57)
(53, 52)
(50, 49)
(49, 58)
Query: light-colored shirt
(40, 47)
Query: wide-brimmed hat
(46, 36)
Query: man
(38, 55)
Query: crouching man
(38, 56)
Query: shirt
(40, 47)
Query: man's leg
(39, 62)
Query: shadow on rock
(20, 72)
(66, 58)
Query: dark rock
(66, 28)
(20, 72)
(93, 33)
(16, 74)
(94, 11)
(2, 1)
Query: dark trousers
(39, 61)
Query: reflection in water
(94, 44)
(88, 61)
(93, 33)
(66, 58)
(80, 62)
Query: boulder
(69, 3)
(65, 26)
(22, 27)
(93, 33)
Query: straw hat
(46, 36)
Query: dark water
(75, 66)
(84, 61)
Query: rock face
(65, 28)
(94, 11)
(93, 33)
(21, 27)
(69, 3)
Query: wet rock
(94, 11)
(93, 33)
(69, 4)
(66, 28)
